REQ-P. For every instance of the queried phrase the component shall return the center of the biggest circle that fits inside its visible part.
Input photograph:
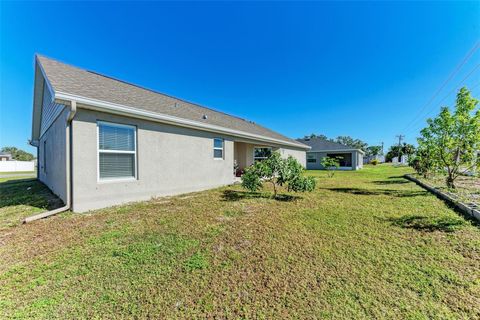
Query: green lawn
(366, 244)
(21, 197)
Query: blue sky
(359, 69)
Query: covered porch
(245, 154)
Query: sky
(365, 69)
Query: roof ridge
(145, 88)
(176, 99)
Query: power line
(452, 74)
(418, 121)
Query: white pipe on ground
(71, 115)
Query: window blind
(117, 151)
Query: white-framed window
(261, 153)
(218, 145)
(117, 151)
(311, 157)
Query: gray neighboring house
(4, 156)
(104, 142)
(352, 158)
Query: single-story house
(350, 158)
(5, 156)
(102, 141)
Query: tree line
(18, 154)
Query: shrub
(330, 164)
(279, 172)
(374, 162)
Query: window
(311, 157)
(218, 148)
(261, 153)
(116, 151)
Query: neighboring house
(103, 142)
(350, 158)
(4, 156)
(368, 159)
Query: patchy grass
(467, 188)
(365, 244)
(20, 198)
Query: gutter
(103, 106)
(67, 206)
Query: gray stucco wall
(171, 160)
(52, 162)
(300, 155)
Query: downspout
(68, 167)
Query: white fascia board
(93, 104)
(47, 82)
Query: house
(102, 141)
(4, 156)
(380, 158)
(350, 158)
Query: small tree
(453, 139)
(279, 172)
(331, 165)
(423, 162)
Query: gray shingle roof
(75, 81)
(319, 144)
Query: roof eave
(337, 150)
(93, 104)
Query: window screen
(345, 159)
(116, 151)
(260, 154)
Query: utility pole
(400, 138)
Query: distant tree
(349, 141)
(18, 154)
(396, 150)
(320, 136)
(453, 139)
(373, 151)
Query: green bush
(279, 172)
(374, 162)
(330, 164)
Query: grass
(365, 244)
(467, 188)
(22, 197)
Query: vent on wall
(205, 117)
